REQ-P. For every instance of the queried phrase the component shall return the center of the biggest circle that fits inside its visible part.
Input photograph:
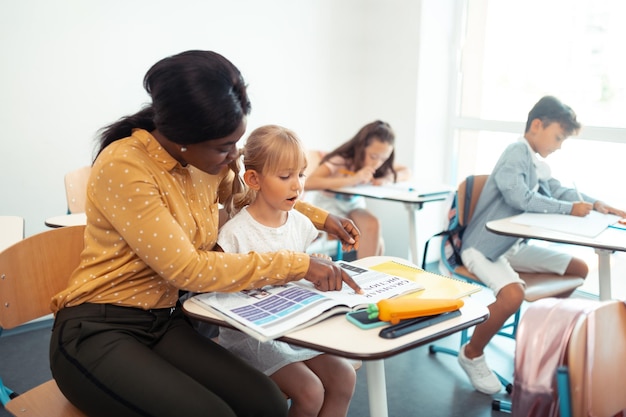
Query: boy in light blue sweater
(520, 182)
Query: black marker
(412, 325)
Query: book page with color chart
(435, 285)
(272, 311)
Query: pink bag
(541, 345)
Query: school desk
(607, 242)
(75, 219)
(11, 230)
(413, 196)
(339, 337)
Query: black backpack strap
(467, 202)
(455, 250)
(443, 233)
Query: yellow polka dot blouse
(151, 225)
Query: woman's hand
(327, 276)
(321, 255)
(345, 230)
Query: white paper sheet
(589, 226)
(398, 191)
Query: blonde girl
(318, 384)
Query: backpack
(541, 346)
(453, 234)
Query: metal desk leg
(377, 387)
(604, 273)
(413, 208)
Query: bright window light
(513, 53)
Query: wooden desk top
(76, 219)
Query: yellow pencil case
(395, 309)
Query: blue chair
(538, 285)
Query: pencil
(580, 196)
(346, 172)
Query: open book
(273, 311)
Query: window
(513, 53)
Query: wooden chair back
(32, 271)
(76, 189)
(597, 362)
(313, 157)
(477, 187)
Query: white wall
(321, 67)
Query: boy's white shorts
(521, 257)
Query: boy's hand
(602, 207)
(581, 209)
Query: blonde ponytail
(241, 195)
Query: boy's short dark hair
(550, 109)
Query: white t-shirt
(243, 234)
